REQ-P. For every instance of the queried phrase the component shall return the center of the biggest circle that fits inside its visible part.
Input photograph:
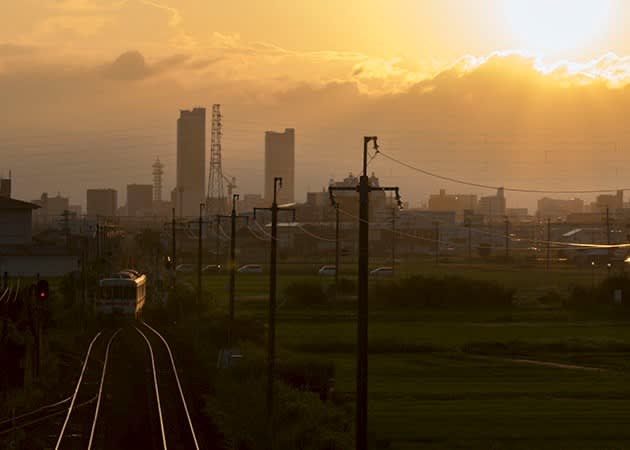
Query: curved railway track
(128, 395)
(178, 431)
(73, 429)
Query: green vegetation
(541, 373)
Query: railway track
(176, 424)
(77, 430)
(128, 395)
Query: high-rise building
(102, 202)
(280, 162)
(191, 161)
(139, 199)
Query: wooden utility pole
(437, 242)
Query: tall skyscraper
(280, 162)
(191, 162)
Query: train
(122, 294)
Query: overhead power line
(488, 186)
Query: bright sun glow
(549, 26)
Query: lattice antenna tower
(158, 171)
(215, 202)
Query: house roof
(11, 203)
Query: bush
(306, 293)
(602, 294)
(442, 292)
(302, 420)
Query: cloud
(175, 16)
(132, 65)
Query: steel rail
(179, 385)
(100, 388)
(157, 389)
(76, 391)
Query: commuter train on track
(122, 295)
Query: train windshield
(118, 292)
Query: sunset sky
(515, 93)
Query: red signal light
(42, 290)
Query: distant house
(18, 256)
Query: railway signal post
(364, 190)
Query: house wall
(15, 227)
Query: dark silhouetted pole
(362, 304)
(337, 252)
(548, 242)
(437, 242)
(362, 326)
(200, 261)
(394, 241)
(232, 264)
(608, 264)
(174, 250)
(469, 226)
(507, 238)
(218, 242)
(271, 343)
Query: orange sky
(468, 88)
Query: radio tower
(215, 201)
(158, 171)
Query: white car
(382, 272)
(250, 268)
(327, 270)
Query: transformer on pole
(215, 201)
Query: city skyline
(486, 96)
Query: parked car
(250, 268)
(212, 268)
(185, 268)
(382, 272)
(327, 270)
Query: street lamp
(592, 274)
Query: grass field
(457, 379)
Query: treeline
(414, 291)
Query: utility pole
(232, 262)
(468, 224)
(364, 190)
(548, 241)
(507, 238)
(271, 338)
(608, 264)
(174, 251)
(218, 242)
(394, 240)
(337, 251)
(199, 260)
(437, 242)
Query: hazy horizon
(92, 91)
